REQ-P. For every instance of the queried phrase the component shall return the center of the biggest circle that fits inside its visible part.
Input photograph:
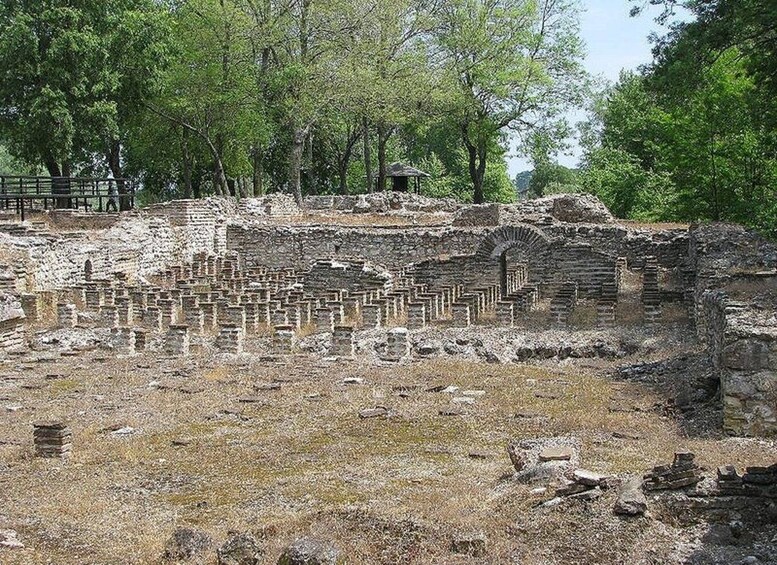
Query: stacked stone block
(606, 305)
(651, 295)
(176, 342)
(284, 339)
(416, 316)
(397, 344)
(67, 316)
(372, 316)
(230, 339)
(123, 340)
(342, 344)
(461, 314)
(52, 439)
(563, 303)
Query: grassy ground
(214, 450)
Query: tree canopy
(237, 97)
(692, 136)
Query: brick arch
(506, 237)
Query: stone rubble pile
(683, 472)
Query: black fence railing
(91, 194)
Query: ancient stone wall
(345, 275)
(12, 318)
(299, 247)
(138, 244)
(741, 339)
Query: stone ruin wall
(12, 318)
(139, 244)
(299, 247)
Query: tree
(209, 90)
(659, 148)
(71, 73)
(516, 64)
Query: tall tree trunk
(58, 184)
(186, 165)
(477, 166)
(367, 154)
(382, 140)
(53, 168)
(309, 172)
(114, 163)
(258, 172)
(295, 162)
(342, 173)
(220, 184)
(343, 161)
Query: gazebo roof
(400, 170)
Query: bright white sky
(614, 41)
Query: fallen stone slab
(588, 478)
(556, 454)
(378, 412)
(631, 500)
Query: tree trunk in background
(295, 163)
(220, 184)
(367, 155)
(258, 172)
(186, 165)
(309, 172)
(243, 187)
(382, 140)
(114, 163)
(342, 173)
(477, 167)
(59, 186)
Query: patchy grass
(212, 451)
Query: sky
(614, 41)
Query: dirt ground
(276, 446)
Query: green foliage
(68, 72)
(549, 174)
(685, 143)
(515, 64)
(236, 96)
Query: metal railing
(95, 194)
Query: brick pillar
(324, 320)
(52, 439)
(397, 344)
(342, 344)
(461, 315)
(416, 315)
(67, 317)
(284, 339)
(371, 316)
(230, 339)
(177, 340)
(141, 340)
(123, 340)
